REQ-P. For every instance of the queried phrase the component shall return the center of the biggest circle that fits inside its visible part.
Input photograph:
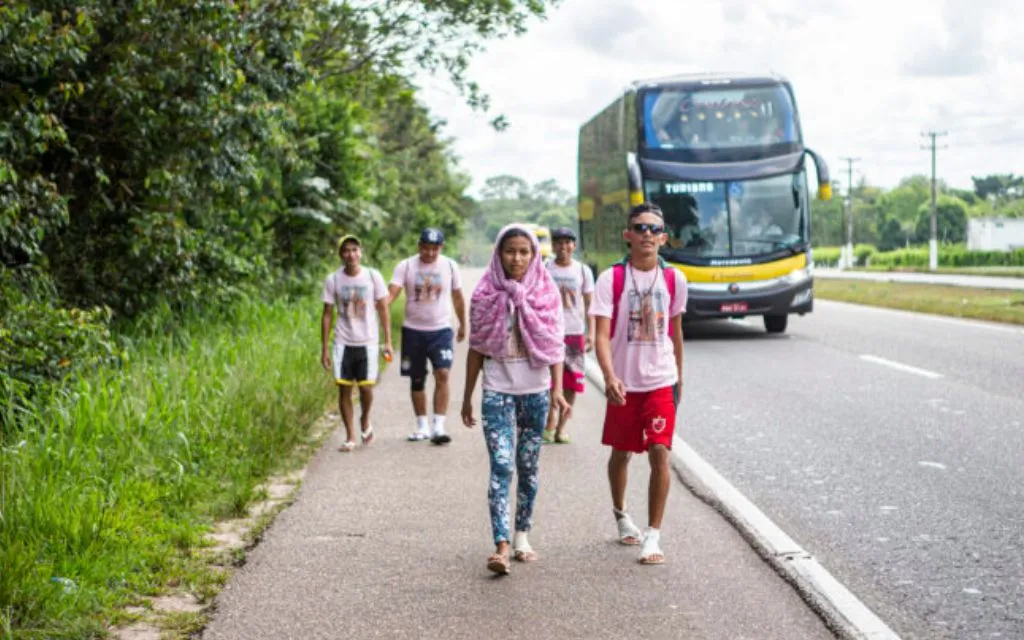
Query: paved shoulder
(391, 542)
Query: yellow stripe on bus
(743, 273)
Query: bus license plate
(733, 307)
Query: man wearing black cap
(429, 280)
(576, 285)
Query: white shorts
(355, 366)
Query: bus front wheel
(775, 324)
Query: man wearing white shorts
(360, 297)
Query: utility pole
(848, 260)
(933, 243)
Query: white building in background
(995, 234)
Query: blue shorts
(420, 346)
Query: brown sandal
(498, 563)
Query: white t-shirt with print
(428, 289)
(512, 372)
(642, 353)
(574, 281)
(355, 299)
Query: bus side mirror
(824, 183)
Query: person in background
(516, 340)
(576, 288)
(429, 280)
(360, 297)
(638, 306)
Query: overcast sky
(869, 77)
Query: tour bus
(543, 237)
(724, 158)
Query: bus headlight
(797, 276)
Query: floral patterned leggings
(513, 425)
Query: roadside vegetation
(173, 179)
(959, 302)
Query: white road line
(900, 366)
(843, 612)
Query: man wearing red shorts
(576, 287)
(638, 306)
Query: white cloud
(869, 76)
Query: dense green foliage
(178, 156)
(505, 199)
(114, 489)
(917, 256)
(174, 175)
(901, 217)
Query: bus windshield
(718, 118)
(746, 218)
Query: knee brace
(419, 384)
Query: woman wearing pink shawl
(515, 338)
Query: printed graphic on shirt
(568, 287)
(428, 287)
(647, 314)
(353, 302)
(516, 348)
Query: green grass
(1002, 272)
(115, 487)
(960, 302)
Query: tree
(999, 186)
(551, 193)
(951, 220)
(505, 187)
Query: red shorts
(574, 374)
(647, 418)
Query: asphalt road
(955, 280)
(888, 444)
(391, 541)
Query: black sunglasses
(644, 227)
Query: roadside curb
(842, 612)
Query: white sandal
(650, 551)
(347, 447)
(521, 549)
(367, 435)
(629, 533)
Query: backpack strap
(670, 283)
(618, 285)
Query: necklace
(636, 289)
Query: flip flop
(367, 435)
(347, 447)
(548, 437)
(561, 438)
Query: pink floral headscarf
(535, 298)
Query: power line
(933, 244)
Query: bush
(826, 256)
(864, 253)
(949, 256)
(43, 346)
